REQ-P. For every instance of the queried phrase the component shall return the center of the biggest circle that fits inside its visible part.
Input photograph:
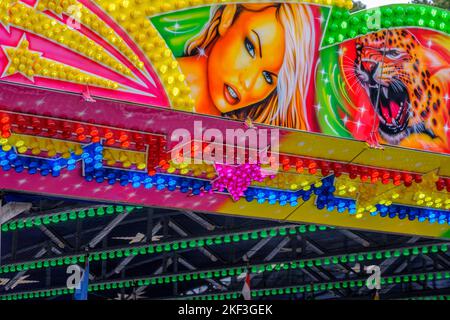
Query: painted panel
(389, 87)
(91, 91)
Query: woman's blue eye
(268, 77)
(250, 47)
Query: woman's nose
(247, 78)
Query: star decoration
(321, 19)
(358, 125)
(40, 102)
(15, 61)
(345, 120)
(363, 109)
(237, 179)
(5, 17)
(201, 52)
(22, 60)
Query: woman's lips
(231, 95)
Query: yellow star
(31, 63)
(21, 60)
(5, 17)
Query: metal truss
(196, 255)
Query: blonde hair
(287, 105)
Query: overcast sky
(377, 3)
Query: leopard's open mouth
(392, 106)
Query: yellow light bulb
(171, 169)
(22, 149)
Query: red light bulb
(417, 178)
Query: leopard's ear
(436, 65)
(434, 61)
(435, 54)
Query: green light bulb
(72, 215)
(110, 210)
(82, 214)
(91, 212)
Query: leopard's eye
(392, 54)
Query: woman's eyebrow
(259, 43)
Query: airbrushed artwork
(268, 63)
(404, 76)
(266, 71)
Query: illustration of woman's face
(244, 63)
